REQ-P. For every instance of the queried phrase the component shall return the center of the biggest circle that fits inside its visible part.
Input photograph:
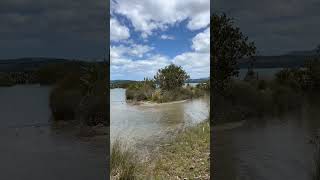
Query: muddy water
(139, 123)
(268, 148)
(32, 148)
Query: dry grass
(185, 156)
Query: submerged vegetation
(184, 156)
(166, 86)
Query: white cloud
(197, 62)
(149, 15)
(118, 32)
(201, 42)
(199, 21)
(166, 37)
(137, 61)
(133, 50)
(137, 69)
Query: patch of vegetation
(170, 81)
(237, 100)
(81, 95)
(124, 163)
(187, 156)
(184, 156)
(121, 84)
(65, 97)
(5, 80)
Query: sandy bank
(150, 103)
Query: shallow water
(138, 123)
(267, 148)
(32, 148)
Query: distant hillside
(131, 81)
(200, 80)
(26, 64)
(290, 60)
(122, 81)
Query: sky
(53, 28)
(148, 35)
(276, 26)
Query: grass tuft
(124, 162)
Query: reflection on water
(136, 123)
(31, 148)
(267, 148)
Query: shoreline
(151, 103)
(228, 126)
(172, 151)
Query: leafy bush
(65, 98)
(81, 95)
(171, 77)
(5, 80)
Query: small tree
(171, 77)
(228, 46)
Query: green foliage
(204, 85)
(5, 80)
(140, 91)
(51, 73)
(228, 45)
(81, 95)
(171, 77)
(294, 78)
(312, 67)
(243, 100)
(65, 97)
(121, 84)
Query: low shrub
(5, 80)
(65, 98)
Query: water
(263, 73)
(32, 148)
(267, 148)
(138, 123)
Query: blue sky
(149, 34)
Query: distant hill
(26, 64)
(132, 81)
(121, 81)
(290, 60)
(200, 80)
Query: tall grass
(124, 162)
(185, 156)
(316, 163)
(246, 99)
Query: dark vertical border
(211, 100)
(107, 61)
